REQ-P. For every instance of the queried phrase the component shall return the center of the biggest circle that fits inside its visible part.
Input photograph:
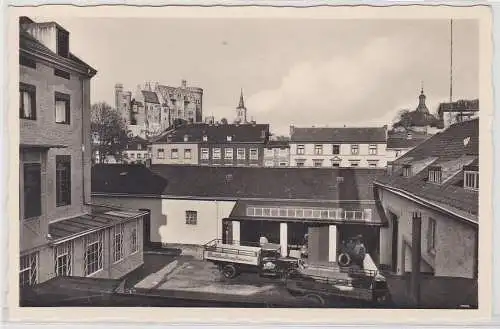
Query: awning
(101, 217)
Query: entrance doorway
(146, 228)
(394, 241)
(227, 232)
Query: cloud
(342, 90)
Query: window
(204, 154)
(216, 153)
(62, 102)
(63, 180)
(241, 154)
(161, 154)
(134, 238)
(301, 149)
(62, 74)
(27, 101)
(118, 243)
(186, 138)
(228, 153)
(300, 163)
(139, 146)
(317, 163)
(62, 259)
(32, 190)
(283, 164)
(254, 154)
(471, 180)
(354, 149)
(62, 43)
(139, 155)
(318, 149)
(354, 163)
(372, 163)
(28, 269)
(191, 217)
(205, 138)
(335, 149)
(406, 171)
(435, 175)
(372, 149)
(28, 62)
(187, 154)
(229, 138)
(335, 164)
(431, 238)
(93, 253)
(174, 153)
(132, 155)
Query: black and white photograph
(272, 160)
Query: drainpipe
(83, 145)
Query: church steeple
(421, 101)
(241, 110)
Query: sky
(302, 72)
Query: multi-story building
(431, 200)
(136, 151)
(461, 110)
(277, 153)
(152, 110)
(338, 147)
(61, 232)
(212, 145)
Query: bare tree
(403, 119)
(109, 135)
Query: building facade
(295, 207)
(136, 151)
(153, 109)
(212, 145)
(430, 198)
(61, 233)
(277, 154)
(338, 147)
(461, 110)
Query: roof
(460, 105)
(150, 97)
(30, 44)
(135, 142)
(451, 151)
(278, 144)
(401, 140)
(339, 135)
(236, 182)
(100, 217)
(217, 133)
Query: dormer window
(205, 138)
(229, 138)
(186, 138)
(409, 136)
(435, 175)
(471, 177)
(406, 170)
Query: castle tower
(241, 110)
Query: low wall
(435, 292)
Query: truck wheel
(229, 271)
(344, 260)
(316, 299)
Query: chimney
(183, 83)
(292, 130)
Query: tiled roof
(339, 135)
(451, 150)
(150, 97)
(401, 140)
(237, 182)
(28, 42)
(243, 133)
(278, 144)
(460, 105)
